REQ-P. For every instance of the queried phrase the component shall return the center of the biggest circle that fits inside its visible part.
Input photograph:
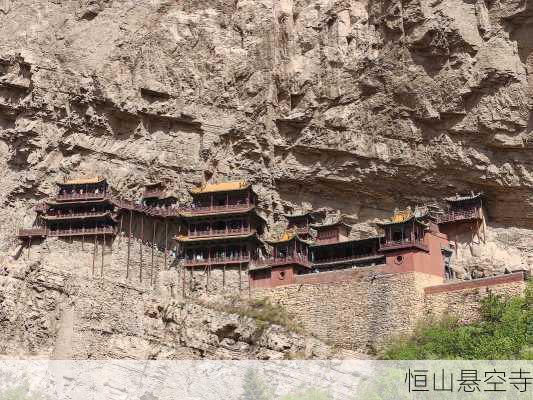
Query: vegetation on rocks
(505, 331)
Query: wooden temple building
(80, 208)
(221, 229)
(464, 215)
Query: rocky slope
(51, 313)
(359, 106)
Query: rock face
(352, 105)
(49, 313)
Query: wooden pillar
(29, 246)
(82, 242)
(190, 280)
(224, 276)
(240, 278)
(153, 244)
(103, 250)
(166, 243)
(141, 249)
(120, 230)
(94, 254)
(129, 246)
(183, 281)
(207, 269)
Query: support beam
(153, 244)
(141, 242)
(94, 254)
(103, 250)
(166, 244)
(129, 246)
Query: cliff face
(360, 106)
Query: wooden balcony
(108, 230)
(38, 232)
(220, 232)
(403, 244)
(80, 196)
(278, 261)
(228, 208)
(453, 216)
(347, 259)
(154, 193)
(216, 261)
(76, 216)
(150, 211)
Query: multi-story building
(80, 208)
(221, 228)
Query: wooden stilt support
(224, 275)
(249, 282)
(94, 254)
(129, 247)
(103, 250)
(207, 278)
(240, 277)
(120, 230)
(166, 244)
(83, 243)
(141, 243)
(29, 247)
(153, 244)
(190, 280)
(183, 282)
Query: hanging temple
(222, 229)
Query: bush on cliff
(504, 331)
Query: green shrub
(504, 331)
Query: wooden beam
(153, 244)
(166, 244)
(141, 249)
(129, 246)
(103, 250)
(94, 254)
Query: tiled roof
(84, 181)
(220, 187)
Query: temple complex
(221, 228)
(222, 231)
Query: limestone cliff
(351, 105)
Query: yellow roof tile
(220, 187)
(401, 216)
(84, 181)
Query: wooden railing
(67, 216)
(154, 193)
(108, 230)
(458, 215)
(276, 261)
(354, 257)
(33, 232)
(220, 232)
(216, 260)
(151, 211)
(402, 244)
(215, 209)
(80, 196)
